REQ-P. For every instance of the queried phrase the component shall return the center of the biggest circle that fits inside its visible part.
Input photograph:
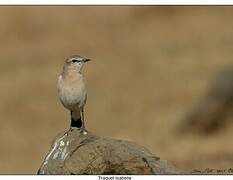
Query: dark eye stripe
(74, 61)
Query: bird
(72, 90)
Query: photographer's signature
(214, 171)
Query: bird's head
(75, 63)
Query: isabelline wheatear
(72, 89)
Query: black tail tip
(77, 123)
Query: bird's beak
(86, 60)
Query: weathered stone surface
(75, 153)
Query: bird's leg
(66, 133)
(71, 120)
(71, 115)
(83, 123)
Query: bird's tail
(76, 120)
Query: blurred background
(160, 76)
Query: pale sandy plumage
(72, 88)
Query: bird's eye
(74, 61)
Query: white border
(139, 177)
(116, 2)
(113, 2)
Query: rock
(73, 152)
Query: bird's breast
(72, 91)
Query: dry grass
(150, 65)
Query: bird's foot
(84, 131)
